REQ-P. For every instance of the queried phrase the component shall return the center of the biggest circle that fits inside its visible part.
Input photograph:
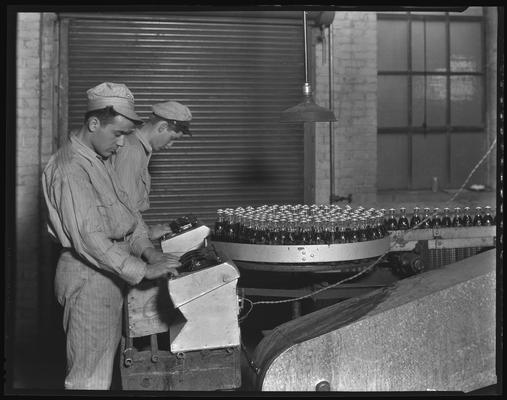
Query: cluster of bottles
(298, 225)
(437, 218)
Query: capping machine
(432, 330)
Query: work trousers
(92, 300)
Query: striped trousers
(92, 319)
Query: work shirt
(90, 212)
(131, 166)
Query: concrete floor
(40, 364)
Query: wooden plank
(432, 331)
(149, 308)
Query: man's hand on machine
(157, 231)
(162, 269)
(153, 256)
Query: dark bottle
(219, 226)
(478, 216)
(392, 223)
(383, 215)
(318, 233)
(381, 224)
(329, 231)
(283, 231)
(379, 228)
(426, 224)
(416, 217)
(354, 231)
(236, 225)
(436, 221)
(261, 232)
(342, 232)
(403, 223)
(457, 221)
(446, 219)
(273, 233)
(304, 233)
(487, 219)
(371, 228)
(250, 232)
(362, 231)
(467, 217)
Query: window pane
(436, 46)
(429, 159)
(466, 47)
(392, 45)
(433, 88)
(392, 101)
(417, 45)
(392, 156)
(467, 148)
(466, 101)
(428, 41)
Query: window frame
(447, 129)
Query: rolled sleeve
(132, 270)
(139, 240)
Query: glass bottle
(487, 219)
(219, 226)
(329, 231)
(362, 232)
(261, 234)
(228, 228)
(342, 231)
(457, 221)
(446, 219)
(416, 217)
(291, 231)
(382, 224)
(392, 223)
(403, 223)
(318, 235)
(250, 232)
(477, 221)
(426, 219)
(436, 221)
(304, 233)
(383, 215)
(371, 228)
(273, 232)
(354, 231)
(281, 227)
(467, 217)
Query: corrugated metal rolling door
(235, 77)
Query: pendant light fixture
(306, 111)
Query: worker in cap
(105, 244)
(168, 122)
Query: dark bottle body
(467, 218)
(436, 221)
(416, 217)
(426, 224)
(457, 221)
(487, 219)
(392, 222)
(477, 221)
(403, 223)
(446, 219)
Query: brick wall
(355, 106)
(491, 19)
(36, 63)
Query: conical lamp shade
(307, 111)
